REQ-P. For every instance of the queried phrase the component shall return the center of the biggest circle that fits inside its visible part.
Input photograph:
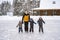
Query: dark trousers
(40, 28)
(31, 29)
(26, 26)
(20, 29)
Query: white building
(48, 7)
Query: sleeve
(38, 21)
(17, 25)
(34, 22)
(29, 17)
(43, 21)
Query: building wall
(47, 12)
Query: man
(26, 18)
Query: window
(54, 2)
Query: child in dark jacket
(31, 25)
(20, 26)
(40, 23)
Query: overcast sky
(11, 1)
(49, 4)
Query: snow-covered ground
(8, 30)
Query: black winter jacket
(32, 23)
(40, 22)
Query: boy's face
(40, 18)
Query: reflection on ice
(8, 30)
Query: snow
(11, 1)
(9, 14)
(8, 30)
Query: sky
(11, 1)
(49, 4)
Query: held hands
(44, 22)
(16, 26)
(35, 23)
(22, 22)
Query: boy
(20, 26)
(31, 25)
(40, 22)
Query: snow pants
(26, 26)
(31, 28)
(40, 28)
(20, 29)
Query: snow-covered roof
(48, 4)
(46, 9)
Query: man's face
(26, 12)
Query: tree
(5, 7)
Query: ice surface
(8, 30)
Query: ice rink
(8, 30)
